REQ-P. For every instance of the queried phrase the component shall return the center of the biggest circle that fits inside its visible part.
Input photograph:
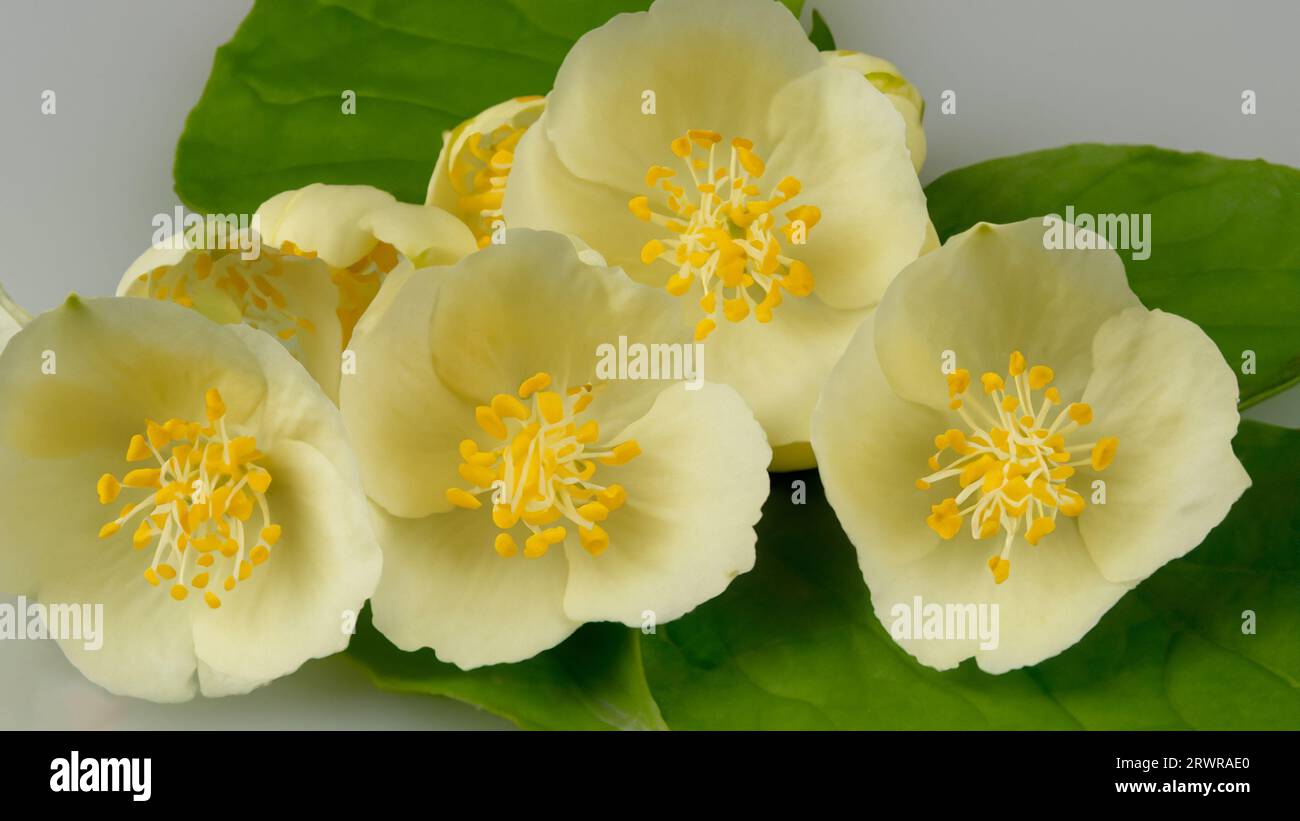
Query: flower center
(544, 470)
(725, 235)
(201, 497)
(478, 171)
(1019, 464)
(227, 288)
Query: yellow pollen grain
(1103, 453)
(1016, 365)
(1039, 376)
(1000, 567)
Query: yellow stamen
(726, 235)
(1012, 476)
(543, 470)
(205, 487)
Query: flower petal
(871, 446)
(116, 362)
(1162, 387)
(1053, 597)
(548, 196)
(473, 147)
(148, 644)
(443, 586)
(594, 116)
(780, 366)
(889, 80)
(422, 233)
(992, 290)
(323, 218)
(325, 565)
(396, 408)
(435, 344)
(12, 318)
(298, 604)
(687, 529)
(843, 140)
(309, 308)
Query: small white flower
(325, 250)
(1081, 442)
(709, 149)
(518, 495)
(470, 176)
(192, 479)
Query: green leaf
(1225, 252)
(795, 7)
(271, 119)
(821, 33)
(593, 681)
(795, 644)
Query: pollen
(224, 286)
(1014, 465)
(722, 233)
(539, 475)
(358, 284)
(198, 505)
(479, 166)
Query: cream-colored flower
(708, 148)
(469, 179)
(1081, 442)
(363, 233)
(290, 297)
(12, 318)
(904, 96)
(519, 490)
(192, 479)
(325, 250)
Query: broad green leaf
(794, 643)
(821, 33)
(593, 681)
(795, 6)
(1225, 252)
(271, 116)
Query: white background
(78, 191)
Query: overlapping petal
(1152, 380)
(436, 348)
(75, 386)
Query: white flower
(290, 297)
(518, 493)
(192, 479)
(363, 233)
(325, 250)
(709, 148)
(469, 178)
(1082, 442)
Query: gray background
(80, 189)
